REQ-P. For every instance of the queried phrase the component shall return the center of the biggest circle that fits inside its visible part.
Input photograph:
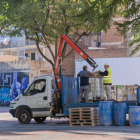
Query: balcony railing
(28, 42)
(19, 43)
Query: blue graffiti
(24, 84)
(4, 96)
(11, 87)
(16, 88)
(14, 91)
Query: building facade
(22, 48)
(17, 75)
(106, 45)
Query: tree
(132, 26)
(43, 20)
(130, 9)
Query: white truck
(34, 101)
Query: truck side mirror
(23, 92)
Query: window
(32, 56)
(40, 86)
(26, 54)
(21, 52)
(54, 84)
(30, 90)
(14, 38)
(21, 41)
(86, 40)
(14, 53)
(37, 87)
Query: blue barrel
(120, 114)
(106, 113)
(134, 116)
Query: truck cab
(34, 102)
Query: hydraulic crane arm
(77, 49)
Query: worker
(107, 80)
(84, 83)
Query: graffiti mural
(11, 85)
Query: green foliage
(132, 26)
(100, 12)
(43, 20)
(103, 11)
(31, 15)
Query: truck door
(36, 97)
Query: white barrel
(97, 87)
(102, 89)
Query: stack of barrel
(107, 113)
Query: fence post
(78, 85)
(138, 94)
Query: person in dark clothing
(84, 83)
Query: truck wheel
(24, 117)
(40, 119)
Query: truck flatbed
(94, 104)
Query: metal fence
(138, 94)
(69, 90)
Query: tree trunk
(47, 59)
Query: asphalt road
(11, 129)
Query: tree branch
(44, 36)
(2, 27)
(64, 15)
(84, 33)
(27, 37)
(37, 44)
(47, 16)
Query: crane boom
(77, 49)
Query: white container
(96, 87)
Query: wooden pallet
(90, 124)
(74, 109)
(84, 116)
(85, 124)
(89, 109)
(74, 114)
(84, 109)
(90, 114)
(84, 121)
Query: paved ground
(10, 129)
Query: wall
(8, 58)
(124, 92)
(49, 56)
(16, 75)
(6, 52)
(68, 65)
(14, 66)
(116, 46)
(37, 54)
(36, 67)
(11, 85)
(125, 71)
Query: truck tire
(40, 119)
(24, 116)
